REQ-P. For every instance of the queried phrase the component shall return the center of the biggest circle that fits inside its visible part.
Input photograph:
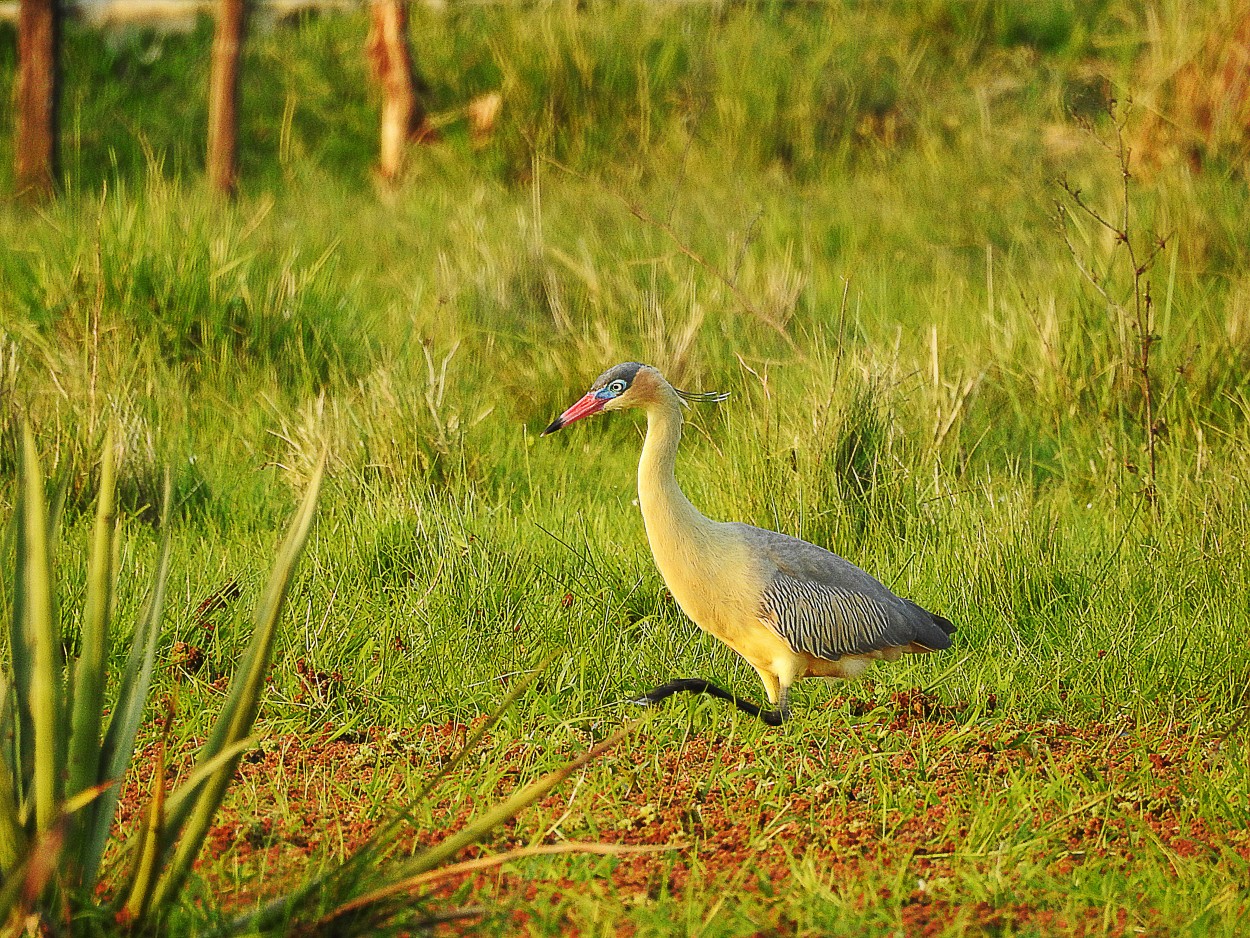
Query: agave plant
(60, 766)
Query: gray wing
(827, 607)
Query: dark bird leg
(697, 685)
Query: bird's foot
(775, 717)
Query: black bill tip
(557, 424)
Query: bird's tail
(946, 625)
(933, 632)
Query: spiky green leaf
(143, 881)
(12, 837)
(91, 669)
(23, 752)
(119, 740)
(239, 713)
(40, 634)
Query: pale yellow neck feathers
(661, 499)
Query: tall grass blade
(119, 740)
(12, 837)
(282, 909)
(203, 772)
(40, 635)
(23, 753)
(454, 763)
(83, 799)
(22, 888)
(509, 808)
(411, 884)
(147, 863)
(235, 721)
(56, 507)
(92, 665)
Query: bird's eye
(617, 387)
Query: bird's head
(622, 387)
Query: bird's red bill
(588, 406)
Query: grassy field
(845, 215)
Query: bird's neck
(667, 512)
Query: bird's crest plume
(702, 397)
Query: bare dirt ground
(300, 799)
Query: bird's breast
(711, 575)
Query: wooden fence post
(223, 97)
(402, 114)
(38, 45)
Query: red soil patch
(751, 816)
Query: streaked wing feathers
(827, 607)
(828, 622)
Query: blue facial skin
(615, 389)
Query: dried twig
(1141, 315)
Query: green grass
(964, 427)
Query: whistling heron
(790, 608)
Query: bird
(791, 609)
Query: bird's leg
(697, 685)
(777, 687)
(780, 713)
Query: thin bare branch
(1141, 318)
(1075, 195)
